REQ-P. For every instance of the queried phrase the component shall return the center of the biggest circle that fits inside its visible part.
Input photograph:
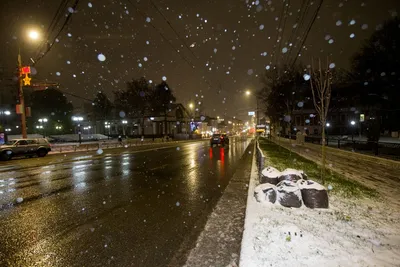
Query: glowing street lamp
(123, 127)
(33, 35)
(78, 119)
(352, 130)
(43, 121)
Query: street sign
(252, 113)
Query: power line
(52, 25)
(59, 32)
(300, 17)
(307, 32)
(273, 55)
(283, 28)
(173, 29)
(144, 16)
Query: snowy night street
(126, 208)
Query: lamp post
(248, 93)
(107, 125)
(77, 120)
(43, 125)
(352, 123)
(32, 35)
(327, 136)
(124, 122)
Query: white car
(25, 147)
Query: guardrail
(60, 148)
(381, 149)
(260, 158)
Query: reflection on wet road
(128, 209)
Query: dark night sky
(115, 29)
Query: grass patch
(281, 158)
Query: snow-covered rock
(270, 175)
(291, 175)
(265, 193)
(289, 194)
(314, 195)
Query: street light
(123, 127)
(58, 127)
(78, 119)
(352, 131)
(42, 121)
(248, 93)
(32, 35)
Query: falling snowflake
(122, 114)
(177, 204)
(327, 37)
(261, 27)
(215, 50)
(148, 19)
(69, 35)
(101, 57)
(300, 104)
(89, 4)
(306, 77)
(140, 65)
(332, 65)
(364, 26)
(178, 148)
(331, 41)
(267, 67)
(250, 72)
(145, 58)
(338, 23)
(233, 47)
(352, 35)
(164, 78)
(68, 62)
(99, 151)
(20, 200)
(284, 50)
(71, 10)
(58, 73)
(352, 22)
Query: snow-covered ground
(352, 232)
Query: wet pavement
(120, 208)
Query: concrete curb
(219, 243)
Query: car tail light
(222, 137)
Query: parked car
(219, 139)
(25, 147)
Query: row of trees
(372, 83)
(139, 99)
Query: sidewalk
(219, 243)
(353, 231)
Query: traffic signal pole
(21, 97)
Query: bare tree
(321, 81)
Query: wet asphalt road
(122, 208)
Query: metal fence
(384, 149)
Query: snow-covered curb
(349, 233)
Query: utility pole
(21, 97)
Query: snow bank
(349, 233)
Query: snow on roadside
(349, 233)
